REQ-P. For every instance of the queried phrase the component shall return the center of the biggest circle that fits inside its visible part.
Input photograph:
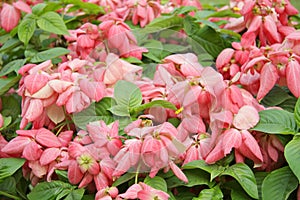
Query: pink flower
(143, 191)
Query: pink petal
(59, 86)
(10, 17)
(34, 82)
(292, 76)
(87, 179)
(246, 118)
(271, 28)
(22, 6)
(49, 155)
(231, 138)
(35, 110)
(74, 173)
(177, 171)
(65, 137)
(32, 151)
(255, 23)
(16, 145)
(94, 90)
(250, 147)
(224, 58)
(55, 113)
(47, 138)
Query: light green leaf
(127, 94)
(14, 65)
(10, 44)
(279, 184)
(38, 8)
(81, 119)
(52, 22)
(157, 183)
(120, 110)
(162, 23)
(275, 121)
(297, 112)
(26, 28)
(48, 190)
(155, 103)
(292, 155)
(8, 166)
(244, 175)
(123, 179)
(214, 193)
(49, 54)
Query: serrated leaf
(292, 155)
(49, 54)
(7, 83)
(52, 22)
(244, 175)
(14, 65)
(297, 112)
(275, 121)
(123, 179)
(8, 166)
(48, 190)
(26, 28)
(214, 193)
(75, 194)
(127, 94)
(157, 183)
(279, 184)
(155, 103)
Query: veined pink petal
(16, 145)
(22, 6)
(271, 28)
(250, 148)
(292, 77)
(246, 118)
(59, 86)
(132, 192)
(55, 113)
(47, 138)
(87, 179)
(94, 90)
(255, 23)
(224, 58)
(74, 173)
(32, 151)
(231, 138)
(34, 82)
(65, 137)
(1, 121)
(37, 169)
(49, 155)
(34, 110)
(216, 154)
(10, 17)
(101, 181)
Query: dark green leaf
(275, 97)
(10, 44)
(8, 166)
(260, 176)
(292, 155)
(297, 112)
(62, 175)
(8, 185)
(123, 179)
(14, 65)
(239, 195)
(279, 184)
(214, 193)
(26, 28)
(49, 54)
(195, 177)
(75, 194)
(52, 22)
(7, 83)
(224, 13)
(162, 23)
(48, 190)
(127, 94)
(157, 183)
(102, 108)
(244, 175)
(275, 121)
(184, 10)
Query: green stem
(9, 195)
(137, 173)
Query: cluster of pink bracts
(204, 98)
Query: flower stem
(9, 195)
(137, 173)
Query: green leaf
(123, 179)
(8, 185)
(279, 184)
(155, 103)
(102, 108)
(157, 183)
(292, 155)
(6, 122)
(184, 10)
(10, 44)
(49, 54)
(195, 177)
(26, 28)
(120, 110)
(275, 121)
(133, 60)
(89, 7)
(297, 112)
(7, 83)
(162, 23)
(224, 13)
(48, 190)
(81, 119)
(62, 175)
(239, 195)
(38, 8)
(14, 65)
(244, 175)
(75, 195)
(275, 97)
(214, 193)
(127, 94)
(260, 176)
(52, 22)
(8, 166)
